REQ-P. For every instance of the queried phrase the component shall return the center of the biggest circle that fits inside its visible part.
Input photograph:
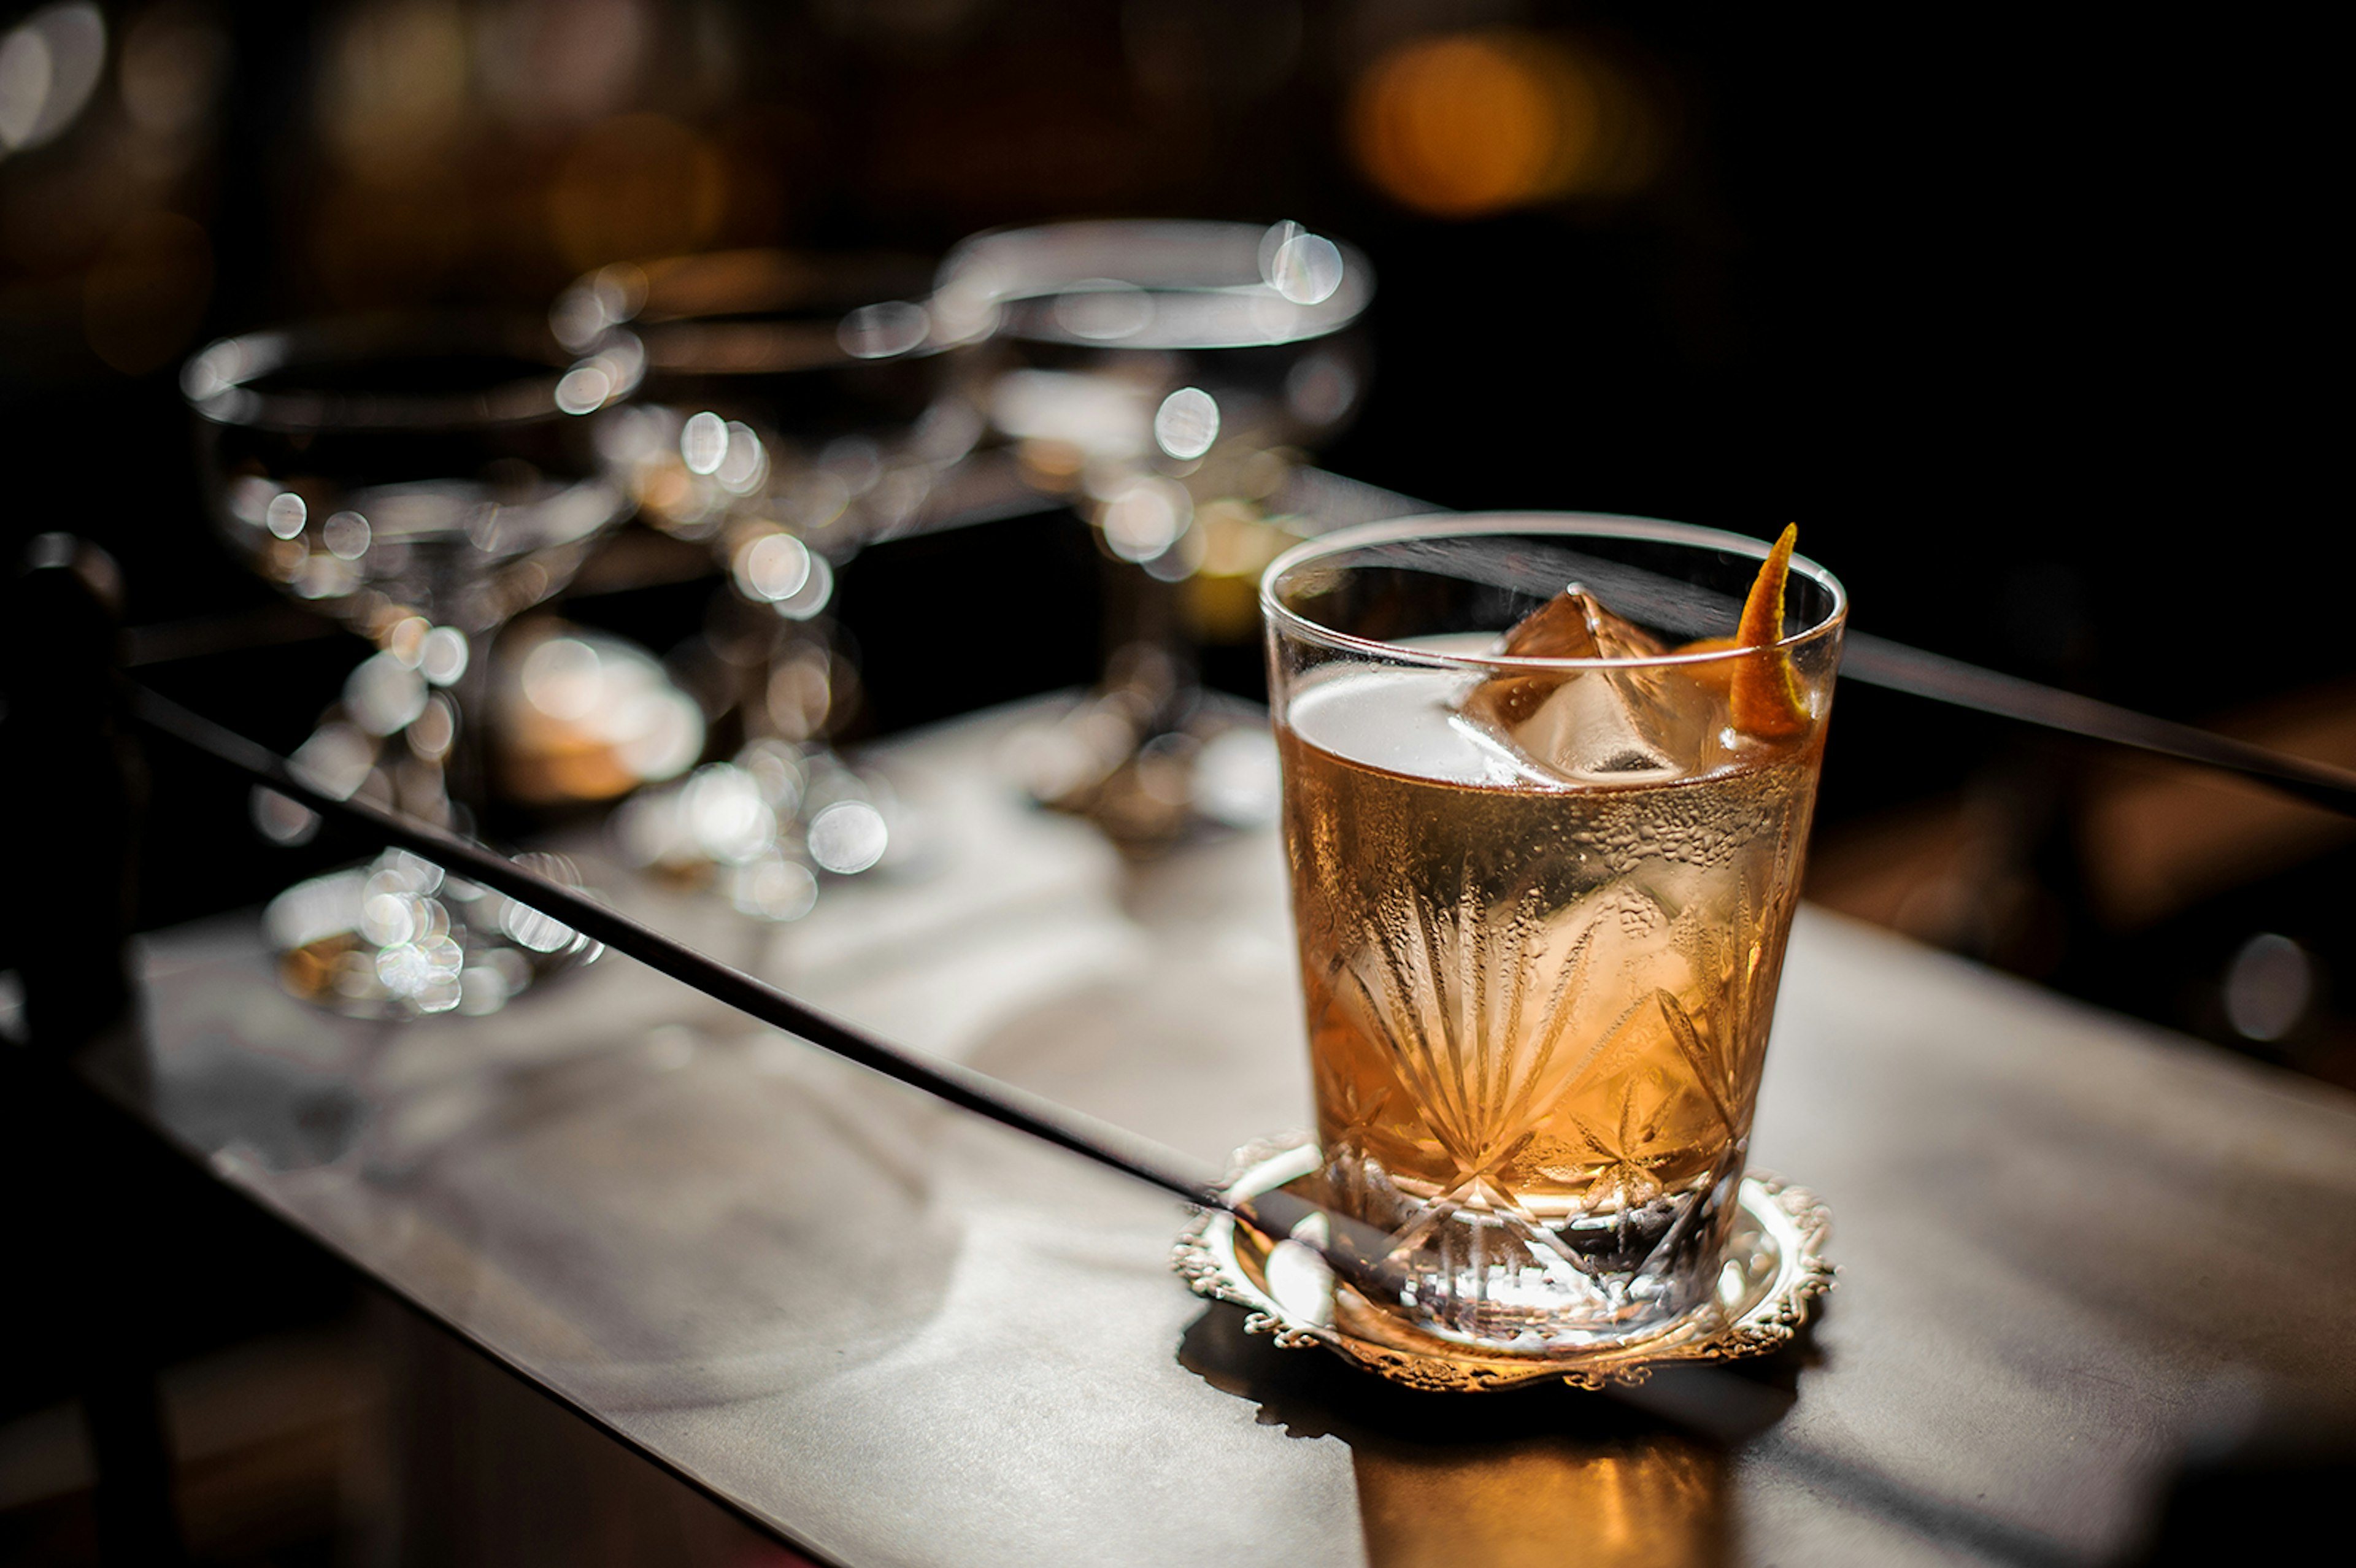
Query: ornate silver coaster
(1775, 1267)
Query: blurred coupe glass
(421, 480)
(792, 409)
(1165, 376)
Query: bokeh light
(398, 938)
(1186, 423)
(802, 694)
(847, 836)
(1305, 268)
(773, 566)
(584, 716)
(2268, 986)
(49, 65)
(1467, 124)
(1145, 517)
(346, 535)
(393, 86)
(547, 61)
(384, 694)
(880, 331)
(284, 516)
(776, 889)
(441, 657)
(703, 442)
(173, 61)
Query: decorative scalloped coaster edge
(1774, 1268)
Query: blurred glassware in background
(397, 937)
(791, 411)
(1166, 378)
(582, 716)
(422, 480)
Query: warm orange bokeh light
(1474, 123)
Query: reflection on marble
(1651, 1503)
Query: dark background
(2022, 322)
(2031, 323)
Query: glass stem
(466, 768)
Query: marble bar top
(2073, 1248)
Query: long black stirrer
(1335, 501)
(1355, 1251)
(1878, 661)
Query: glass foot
(396, 937)
(1771, 1270)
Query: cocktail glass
(422, 480)
(1541, 904)
(1165, 377)
(792, 410)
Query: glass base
(1480, 1267)
(396, 938)
(1770, 1271)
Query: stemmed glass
(1163, 375)
(792, 409)
(423, 481)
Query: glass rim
(988, 271)
(819, 295)
(1593, 525)
(216, 380)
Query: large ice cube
(1599, 726)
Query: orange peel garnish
(1762, 692)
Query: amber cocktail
(1547, 784)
